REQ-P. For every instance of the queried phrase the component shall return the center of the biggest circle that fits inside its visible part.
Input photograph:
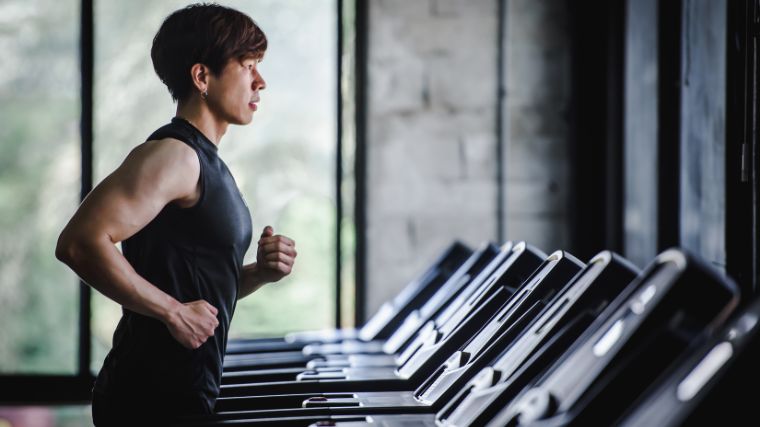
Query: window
(39, 184)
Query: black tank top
(190, 253)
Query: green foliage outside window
(39, 184)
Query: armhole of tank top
(201, 179)
(201, 172)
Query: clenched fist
(193, 323)
(275, 256)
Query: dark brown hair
(208, 34)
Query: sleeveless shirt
(191, 254)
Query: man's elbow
(63, 251)
(67, 249)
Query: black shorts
(146, 410)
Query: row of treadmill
(508, 336)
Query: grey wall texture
(432, 131)
(537, 98)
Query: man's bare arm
(153, 175)
(275, 257)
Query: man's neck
(198, 114)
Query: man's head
(207, 34)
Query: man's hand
(193, 323)
(275, 256)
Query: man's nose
(259, 83)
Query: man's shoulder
(166, 152)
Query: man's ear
(199, 74)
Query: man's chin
(242, 121)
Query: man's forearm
(250, 280)
(104, 268)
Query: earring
(204, 94)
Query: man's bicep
(118, 208)
(129, 198)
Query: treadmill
(709, 386)
(252, 367)
(600, 282)
(603, 367)
(505, 313)
(679, 302)
(382, 323)
(295, 380)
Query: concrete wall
(536, 122)
(432, 130)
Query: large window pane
(283, 162)
(39, 183)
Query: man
(183, 225)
